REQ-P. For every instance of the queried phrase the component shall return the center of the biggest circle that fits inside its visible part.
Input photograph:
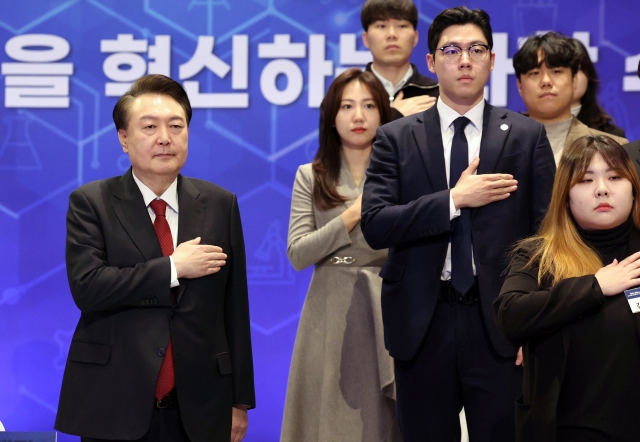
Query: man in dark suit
(448, 192)
(156, 265)
(390, 34)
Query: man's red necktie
(166, 379)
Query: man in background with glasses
(449, 191)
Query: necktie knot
(159, 207)
(460, 123)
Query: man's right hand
(193, 260)
(413, 105)
(479, 190)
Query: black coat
(538, 318)
(120, 282)
(405, 208)
(418, 85)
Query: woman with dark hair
(585, 104)
(341, 383)
(562, 300)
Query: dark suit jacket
(540, 325)
(406, 209)
(120, 282)
(633, 149)
(417, 86)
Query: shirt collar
(390, 87)
(170, 196)
(448, 115)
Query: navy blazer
(406, 209)
(120, 282)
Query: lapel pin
(504, 127)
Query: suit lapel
(190, 219)
(132, 213)
(494, 136)
(428, 137)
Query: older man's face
(156, 137)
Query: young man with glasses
(449, 191)
(390, 34)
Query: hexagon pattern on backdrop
(253, 151)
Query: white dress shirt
(390, 87)
(170, 196)
(473, 132)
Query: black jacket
(539, 319)
(417, 85)
(405, 207)
(120, 282)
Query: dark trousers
(457, 366)
(166, 426)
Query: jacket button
(173, 314)
(142, 302)
(161, 352)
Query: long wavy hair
(591, 113)
(558, 247)
(326, 164)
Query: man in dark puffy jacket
(390, 34)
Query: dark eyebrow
(456, 43)
(352, 100)
(152, 117)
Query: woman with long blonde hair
(562, 301)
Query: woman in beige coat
(341, 383)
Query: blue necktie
(461, 269)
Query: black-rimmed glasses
(453, 53)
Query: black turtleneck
(610, 243)
(600, 395)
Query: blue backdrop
(257, 85)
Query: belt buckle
(346, 260)
(166, 402)
(447, 293)
(469, 298)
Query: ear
(365, 39)
(493, 59)
(431, 64)
(575, 82)
(122, 137)
(415, 38)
